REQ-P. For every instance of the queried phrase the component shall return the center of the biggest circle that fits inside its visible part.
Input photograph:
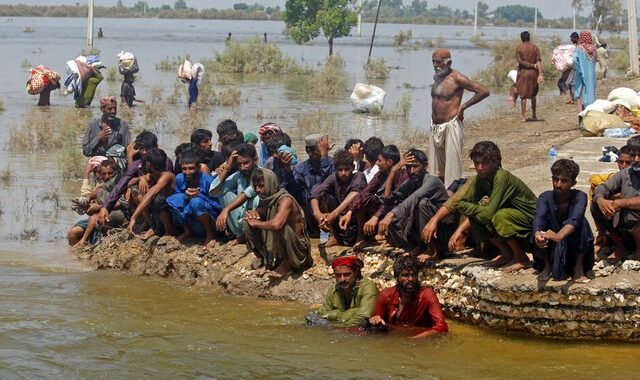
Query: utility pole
(633, 36)
(360, 18)
(574, 18)
(373, 35)
(475, 20)
(90, 25)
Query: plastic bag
(367, 98)
(617, 132)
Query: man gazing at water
(447, 116)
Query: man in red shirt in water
(408, 303)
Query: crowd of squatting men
(255, 189)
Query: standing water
(59, 319)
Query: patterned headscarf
(107, 100)
(586, 43)
(353, 262)
(269, 127)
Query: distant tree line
(606, 14)
(180, 10)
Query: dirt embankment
(523, 144)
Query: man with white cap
(447, 116)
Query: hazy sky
(549, 8)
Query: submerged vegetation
(330, 82)
(45, 131)
(376, 69)
(171, 63)
(318, 122)
(253, 56)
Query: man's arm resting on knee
(278, 221)
(632, 203)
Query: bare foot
(146, 235)
(238, 240)
(523, 119)
(79, 245)
(514, 266)
(380, 238)
(581, 280)
(423, 258)
(183, 237)
(615, 257)
(545, 275)
(261, 271)
(209, 243)
(498, 261)
(360, 245)
(331, 242)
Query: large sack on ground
(185, 71)
(601, 105)
(562, 57)
(625, 93)
(367, 98)
(595, 122)
(127, 63)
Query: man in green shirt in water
(351, 301)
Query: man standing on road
(529, 75)
(447, 116)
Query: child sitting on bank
(562, 236)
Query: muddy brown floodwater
(60, 319)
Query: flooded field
(59, 319)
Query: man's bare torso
(446, 98)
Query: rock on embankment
(606, 308)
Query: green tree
(140, 6)
(119, 4)
(517, 12)
(165, 7)
(606, 14)
(306, 19)
(180, 4)
(240, 6)
(482, 9)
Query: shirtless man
(447, 116)
(276, 230)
